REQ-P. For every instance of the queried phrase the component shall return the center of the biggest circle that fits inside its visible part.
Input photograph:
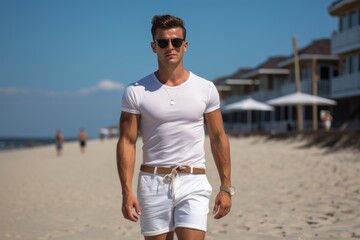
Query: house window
(335, 72)
(343, 22)
(324, 73)
(270, 83)
(292, 75)
(340, 23)
(352, 19)
(304, 73)
(352, 64)
(343, 66)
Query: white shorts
(166, 205)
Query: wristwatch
(230, 190)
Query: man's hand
(130, 202)
(222, 205)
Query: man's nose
(169, 45)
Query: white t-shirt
(172, 132)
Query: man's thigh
(192, 202)
(165, 236)
(189, 234)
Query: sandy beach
(285, 190)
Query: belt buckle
(183, 169)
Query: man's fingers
(130, 208)
(216, 208)
(222, 212)
(137, 208)
(222, 206)
(129, 214)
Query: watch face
(232, 191)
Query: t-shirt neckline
(172, 87)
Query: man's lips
(170, 55)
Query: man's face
(169, 54)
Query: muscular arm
(220, 149)
(125, 153)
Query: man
(169, 108)
(82, 138)
(59, 142)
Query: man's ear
(186, 44)
(153, 47)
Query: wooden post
(315, 93)
(298, 86)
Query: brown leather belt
(168, 170)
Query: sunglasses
(176, 42)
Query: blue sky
(63, 64)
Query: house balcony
(287, 88)
(306, 87)
(264, 95)
(346, 41)
(345, 86)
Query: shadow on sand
(332, 140)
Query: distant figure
(82, 137)
(104, 133)
(327, 120)
(59, 141)
(322, 118)
(289, 126)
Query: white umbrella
(299, 98)
(248, 105)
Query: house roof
(236, 75)
(320, 46)
(271, 62)
(340, 6)
(270, 66)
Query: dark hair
(166, 22)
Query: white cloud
(110, 85)
(103, 85)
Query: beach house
(329, 68)
(345, 43)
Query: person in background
(170, 108)
(82, 138)
(59, 142)
(103, 133)
(327, 120)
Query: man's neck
(172, 76)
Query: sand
(285, 190)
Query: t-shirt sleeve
(214, 100)
(129, 101)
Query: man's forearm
(125, 164)
(220, 149)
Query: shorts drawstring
(172, 178)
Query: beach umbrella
(299, 98)
(248, 105)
